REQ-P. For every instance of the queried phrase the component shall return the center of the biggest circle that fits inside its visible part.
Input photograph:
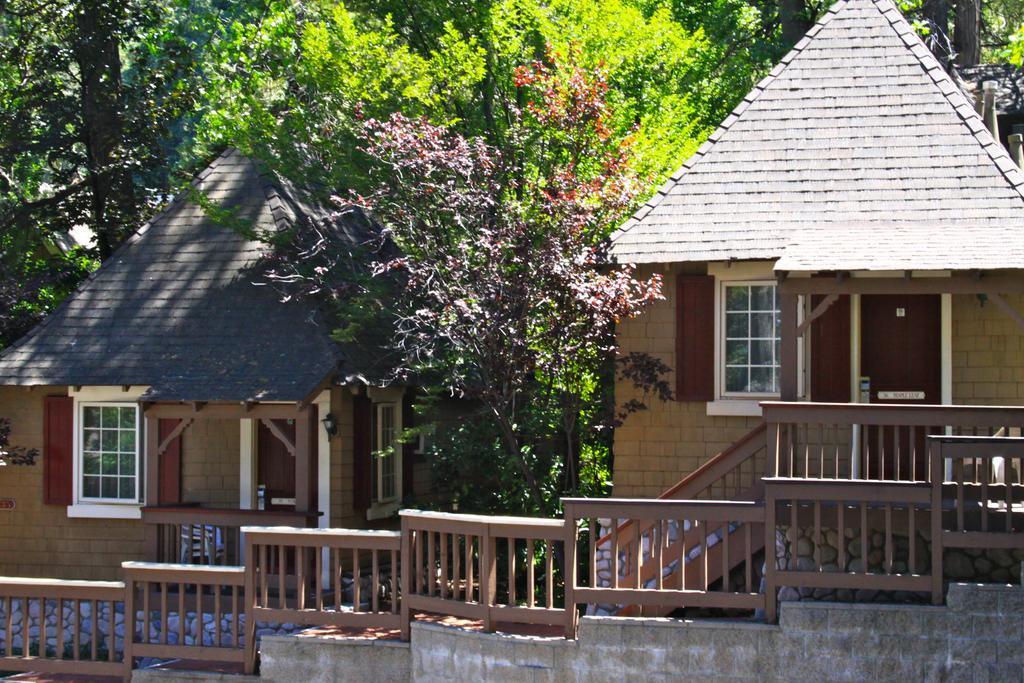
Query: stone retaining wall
(36, 625)
(978, 636)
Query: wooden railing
(82, 620)
(190, 534)
(314, 577)
(495, 569)
(864, 508)
(877, 442)
(665, 533)
(167, 606)
(733, 474)
(982, 494)
(664, 554)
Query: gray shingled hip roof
(176, 307)
(858, 132)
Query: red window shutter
(695, 338)
(58, 449)
(830, 352)
(408, 449)
(362, 408)
(170, 465)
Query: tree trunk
(99, 61)
(937, 14)
(794, 19)
(967, 32)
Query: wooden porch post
(152, 492)
(303, 455)
(788, 370)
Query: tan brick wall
(210, 463)
(40, 540)
(656, 447)
(988, 353)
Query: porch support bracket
(816, 313)
(175, 433)
(281, 436)
(1008, 309)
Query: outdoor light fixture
(330, 424)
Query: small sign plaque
(282, 501)
(8, 504)
(900, 395)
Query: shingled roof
(176, 307)
(857, 132)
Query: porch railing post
(937, 478)
(771, 594)
(772, 465)
(489, 575)
(249, 598)
(405, 563)
(569, 518)
(129, 627)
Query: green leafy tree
(96, 97)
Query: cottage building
(174, 389)
(851, 233)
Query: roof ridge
(950, 91)
(128, 242)
(724, 126)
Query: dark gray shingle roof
(175, 308)
(858, 126)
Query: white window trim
(102, 509)
(745, 273)
(393, 397)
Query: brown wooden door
(275, 468)
(901, 347)
(901, 337)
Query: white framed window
(751, 342)
(386, 461)
(108, 454)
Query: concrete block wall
(978, 636)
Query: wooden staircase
(733, 474)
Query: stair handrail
(712, 471)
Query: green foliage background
(108, 106)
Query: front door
(275, 468)
(901, 357)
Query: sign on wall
(901, 395)
(7, 504)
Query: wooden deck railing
(190, 534)
(495, 569)
(314, 577)
(733, 474)
(982, 495)
(863, 508)
(664, 553)
(665, 533)
(167, 606)
(878, 442)
(82, 620)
